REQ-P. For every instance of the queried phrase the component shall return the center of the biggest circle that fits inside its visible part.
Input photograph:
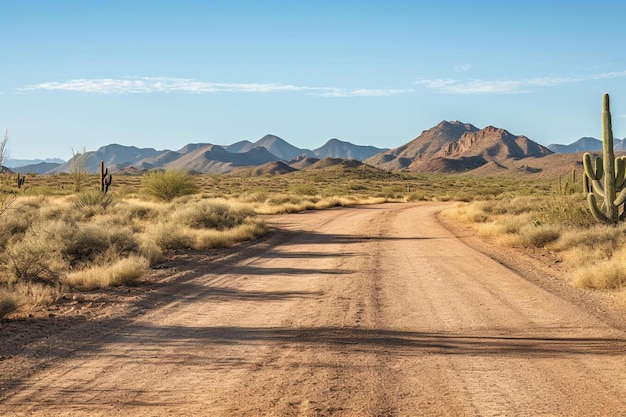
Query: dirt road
(366, 311)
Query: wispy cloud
(363, 92)
(462, 68)
(477, 86)
(147, 85)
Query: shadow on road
(377, 340)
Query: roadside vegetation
(55, 240)
(593, 253)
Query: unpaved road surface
(365, 311)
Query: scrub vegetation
(55, 240)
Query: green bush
(167, 185)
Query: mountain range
(587, 144)
(450, 146)
(202, 157)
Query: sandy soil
(365, 311)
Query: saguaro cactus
(607, 174)
(105, 178)
(21, 179)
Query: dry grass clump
(170, 236)
(202, 224)
(469, 213)
(211, 215)
(610, 274)
(208, 239)
(606, 238)
(124, 271)
(538, 236)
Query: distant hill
(333, 162)
(458, 147)
(114, 154)
(423, 147)
(216, 159)
(587, 144)
(302, 162)
(336, 148)
(238, 146)
(270, 168)
(17, 163)
(275, 145)
(39, 168)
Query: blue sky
(83, 74)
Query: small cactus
(105, 178)
(606, 174)
(21, 179)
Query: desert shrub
(607, 237)
(467, 212)
(356, 186)
(93, 199)
(8, 302)
(82, 243)
(538, 236)
(417, 196)
(565, 210)
(256, 197)
(125, 271)
(303, 189)
(129, 210)
(210, 238)
(150, 251)
(37, 256)
(167, 185)
(122, 241)
(280, 199)
(169, 236)
(610, 274)
(211, 215)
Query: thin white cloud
(364, 92)
(476, 86)
(147, 85)
(462, 68)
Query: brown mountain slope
(331, 162)
(424, 147)
(493, 144)
(214, 159)
(475, 149)
(271, 168)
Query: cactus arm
(593, 168)
(621, 198)
(598, 188)
(107, 182)
(595, 211)
(594, 171)
(620, 172)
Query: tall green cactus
(607, 175)
(105, 178)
